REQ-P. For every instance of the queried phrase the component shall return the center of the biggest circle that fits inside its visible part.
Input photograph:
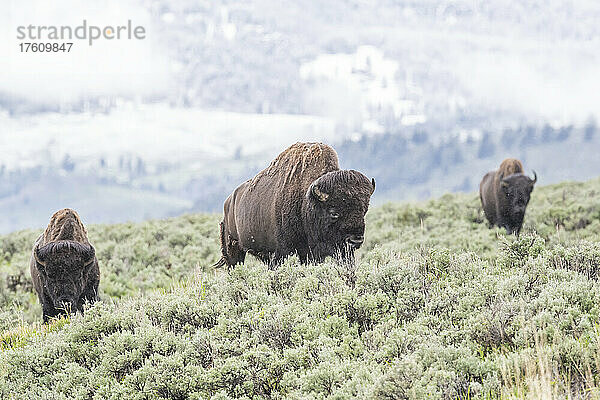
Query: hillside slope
(438, 306)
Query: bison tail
(223, 260)
(221, 263)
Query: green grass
(438, 306)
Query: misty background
(425, 96)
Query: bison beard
(302, 203)
(504, 195)
(63, 265)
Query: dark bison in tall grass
(64, 267)
(504, 195)
(301, 203)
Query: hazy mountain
(424, 96)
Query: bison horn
(534, 177)
(373, 182)
(37, 257)
(321, 196)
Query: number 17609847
(45, 47)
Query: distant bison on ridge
(301, 203)
(504, 195)
(64, 268)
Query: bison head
(334, 213)
(515, 191)
(64, 267)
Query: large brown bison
(504, 195)
(64, 267)
(301, 203)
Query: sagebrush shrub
(438, 305)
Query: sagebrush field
(438, 306)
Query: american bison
(504, 195)
(64, 267)
(301, 203)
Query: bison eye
(333, 215)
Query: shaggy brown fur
(504, 195)
(299, 165)
(273, 214)
(507, 167)
(63, 266)
(65, 224)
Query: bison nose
(355, 240)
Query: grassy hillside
(438, 306)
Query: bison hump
(300, 163)
(510, 166)
(65, 224)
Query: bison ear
(39, 257)
(90, 254)
(373, 182)
(318, 194)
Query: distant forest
(416, 163)
(417, 157)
